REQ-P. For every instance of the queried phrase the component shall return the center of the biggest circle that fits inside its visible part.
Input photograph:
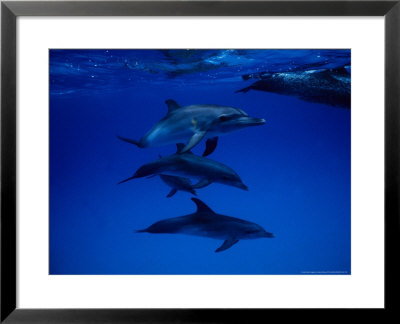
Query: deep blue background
(297, 167)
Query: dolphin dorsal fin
(202, 207)
(172, 105)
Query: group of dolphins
(190, 124)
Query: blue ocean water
(296, 165)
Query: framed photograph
(198, 161)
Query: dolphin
(205, 222)
(191, 124)
(326, 86)
(177, 183)
(188, 164)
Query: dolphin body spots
(330, 87)
(205, 222)
(177, 183)
(190, 165)
(191, 124)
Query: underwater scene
(191, 162)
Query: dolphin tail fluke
(227, 244)
(130, 178)
(211, 144)
(172, 192)
(130, 141)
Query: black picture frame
(10, 10)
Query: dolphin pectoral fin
(195, 139)
(179, 147)
(172, 192)
(227, 244)
(202, 183)
(211, 144)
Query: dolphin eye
(224, 118)
(251, 231)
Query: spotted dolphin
(190, 124)
(326, 86)
(177, 183)
(193, 166)
(205, 222)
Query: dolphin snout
(258, 121)
(252, 121)
(128, 179)
(243, 186)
